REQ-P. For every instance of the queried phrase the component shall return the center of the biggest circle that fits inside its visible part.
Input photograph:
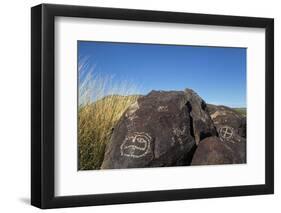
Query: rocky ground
(176, 128)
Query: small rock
(212, 151)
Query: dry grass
(102, 101)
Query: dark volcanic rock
(160, 129)
(243, 127)
(230, 125)
(212, 150)
(202, 124)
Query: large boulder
(230, 125)
(213, 150)
(160, 129)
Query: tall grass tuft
(102, 101)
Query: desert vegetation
(242, 111)
(102, 101)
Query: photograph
(140, 105)
(143, 105)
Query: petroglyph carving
(178, 135)
(136, 145)
(132, 117)
(226, 133)
(132, 109)
(162, 109)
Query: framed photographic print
(139, 106)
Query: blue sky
(217, 74)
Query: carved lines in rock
(162, 109)
(178, 134)
(136, 145)
(226, 133)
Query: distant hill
(241, 110)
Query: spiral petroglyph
(136, 145)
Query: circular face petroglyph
(226, 133)
(136, 145)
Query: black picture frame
(43, 102)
